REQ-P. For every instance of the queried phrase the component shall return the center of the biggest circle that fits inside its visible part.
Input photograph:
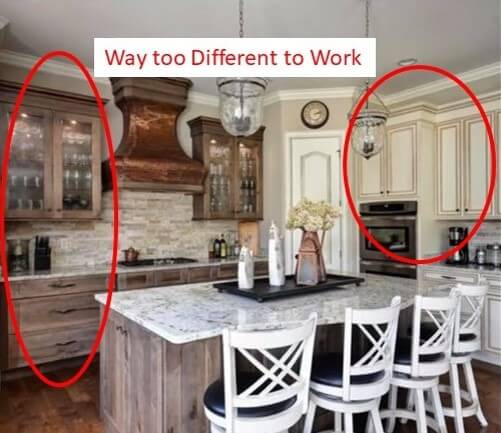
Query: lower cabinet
(491, 319)
(58, 319)
(148, 385)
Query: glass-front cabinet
(55, 156)
(249, 179)
(233, 186)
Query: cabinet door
(29, 190)
(492, 325)
(476, 165)
(498, 149)
(401, 161)
(221, 159)
(248, 190)
(77, 166)
(448, 179)
(371, 176)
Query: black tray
(262, 290)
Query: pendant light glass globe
(369, 131)
(241, 104)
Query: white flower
(313, 216)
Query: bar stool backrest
(467, 332)
(281, 376)
(431, 355)
(379, 326)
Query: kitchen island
(161, 347)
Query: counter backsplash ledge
(158, 224)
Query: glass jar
(494, 254)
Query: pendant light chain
(241, 17)
(366, 36)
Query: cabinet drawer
(261, 268)
(136, 280)
(201, 274)
(58, 286)
(227, 271)
(56, 312)
(449, 278)
(169, 277)
(51, 346)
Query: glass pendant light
(369, 131)
(241, 99)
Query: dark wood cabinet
(233, 188)
(55, 157)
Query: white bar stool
(346, 386)
(275, 397)
(419, 362)
(467, 340)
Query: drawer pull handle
(68, 343)
(67, 311)
(62, 285)
(447, 277)
(72, 310)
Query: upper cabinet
(233, 186)
(55, 158)
(393, 172)
(463, 167)
(498, 149)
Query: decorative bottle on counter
(245, 269)
(217, 248)
(224, 248)
(276, 268)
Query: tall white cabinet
(393, 172)
(463, 169)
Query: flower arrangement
(313, 216)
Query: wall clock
(315, 114)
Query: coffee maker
(456, 236)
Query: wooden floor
(29, 406)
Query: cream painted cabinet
(449, 169)
(371, 183)
(462, 175)
(498, 141)
(392, 173)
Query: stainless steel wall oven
(393, 225)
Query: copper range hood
(149, 156)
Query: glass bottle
(224, 248)
(217, 248)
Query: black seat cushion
(327, 370)
(403, 353)
(214, 398)
(428, 329)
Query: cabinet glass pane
(220, 171)
(247, 156)
(77, 164)
(26, 168)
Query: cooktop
(158, 262)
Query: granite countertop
(60, 272)
(193, 312)
(487, 270)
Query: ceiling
(459, 35)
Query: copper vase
(310, 265)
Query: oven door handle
(393, 264)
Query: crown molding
(481, 73)
(55, 67)
(203, 98)
(68, 70)
(301, 94)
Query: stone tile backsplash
(157, 224)
(489, 233)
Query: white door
(402, 161)
(449, 169)
(476, 165)
(315, 173)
